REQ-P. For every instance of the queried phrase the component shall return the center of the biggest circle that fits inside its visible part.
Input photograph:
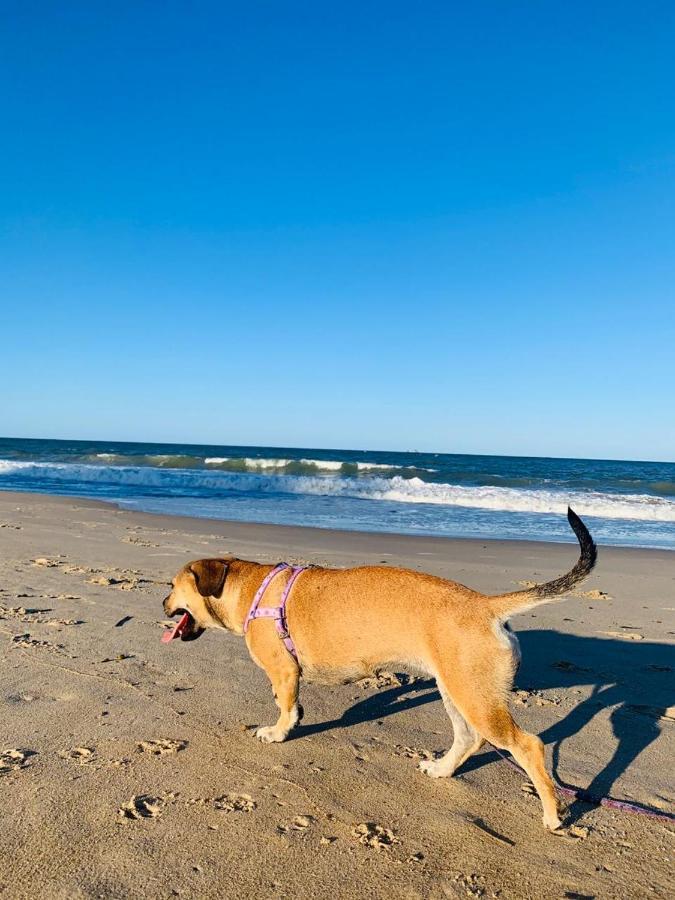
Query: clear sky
(436, 226)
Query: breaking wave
(251, 464)
(279, 479)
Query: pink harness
(278, 613)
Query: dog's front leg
(285, 678)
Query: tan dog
(347, 623)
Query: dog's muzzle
(191, 631)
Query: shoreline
(352, 539)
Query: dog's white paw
(434, 768)
(554, 825)
(270, 734)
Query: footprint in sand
(372, 835)
(23, 614)
(412, 752)
(122, 584)
(299, 823)
(25, 640)
(235, 803)
(123, 580)
(141, 542)
(359, 752)
(473, 885)
(34, 616)
(524, 697)
(46, 563)
(161, 746)
(82, 755)
(14, 759)
(143, 806)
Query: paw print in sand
(235, 803)
(373, 835)
(143, 806)
(14, 759)
(161, 746)
(82, 755)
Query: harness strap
(278, 613)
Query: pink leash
(278, 613)
(592, 799)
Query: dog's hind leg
(466, 741)
(497, 726)
(478, 687)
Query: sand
(127, 767)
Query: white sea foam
(327, 465)
(248, 462)
(397, 490)
(255, 464)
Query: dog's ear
(209, 576)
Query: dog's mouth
(186, 628)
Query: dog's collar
(278, 613)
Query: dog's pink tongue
(177, 629)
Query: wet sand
(127, 767)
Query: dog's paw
(270, 734)
(554, 824)
(434, 768)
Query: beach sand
(127, 768)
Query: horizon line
(339, 449)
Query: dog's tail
(506, 605)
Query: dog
(344, 624)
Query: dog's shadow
(633, 679)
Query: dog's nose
(165, 604)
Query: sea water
(624, 502)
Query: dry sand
(127, 770)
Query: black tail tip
(574, 519)
(588, 545)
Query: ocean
(624, 503)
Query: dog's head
(192, 592)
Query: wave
(251, 464)
(302, 466)
(160, 460)
(220, 484)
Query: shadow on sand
(633, 679)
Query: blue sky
(434, 226)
